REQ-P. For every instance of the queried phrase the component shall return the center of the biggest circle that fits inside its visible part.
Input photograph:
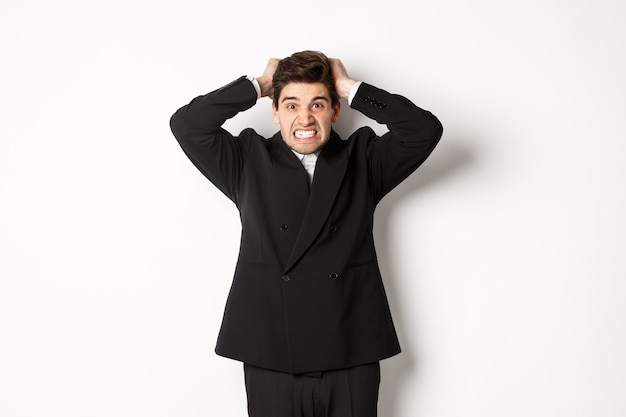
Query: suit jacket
(307, 294)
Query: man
(307, 312)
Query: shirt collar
(301, 156)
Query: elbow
(438, 129)
(177, 124)
(434, 131)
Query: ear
(275, 113)
(337, 110)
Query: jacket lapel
(329, 173)
(289, 181)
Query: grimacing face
(305, 116)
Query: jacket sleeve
(412, 136)
(198, 128)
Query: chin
(304, 150)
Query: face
(305, 115)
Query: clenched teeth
(303, 134)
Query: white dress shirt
(308, 162)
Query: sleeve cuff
(256, 85)
(353, 91)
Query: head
(305, 102)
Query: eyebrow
(297, 99)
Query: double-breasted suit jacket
(307, 294)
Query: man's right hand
(265, 80)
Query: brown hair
(304, 67)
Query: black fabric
(307, 294)
(351, 392)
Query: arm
(198, 128)
(413, 132)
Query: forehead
(304, 91)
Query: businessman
(307, 313)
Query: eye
(291, 106)
(318, 105)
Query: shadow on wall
(451, 159)
(452, 156)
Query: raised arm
(197, 126)
(413, 132)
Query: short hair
(304, 67)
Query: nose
(304, 116)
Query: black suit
(307, 294)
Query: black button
(283, 228)
(333, 276)
(286, 278)
(333, 228)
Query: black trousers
(351, 392)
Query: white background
(503, 255)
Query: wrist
(344, 87)
(265, 83)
